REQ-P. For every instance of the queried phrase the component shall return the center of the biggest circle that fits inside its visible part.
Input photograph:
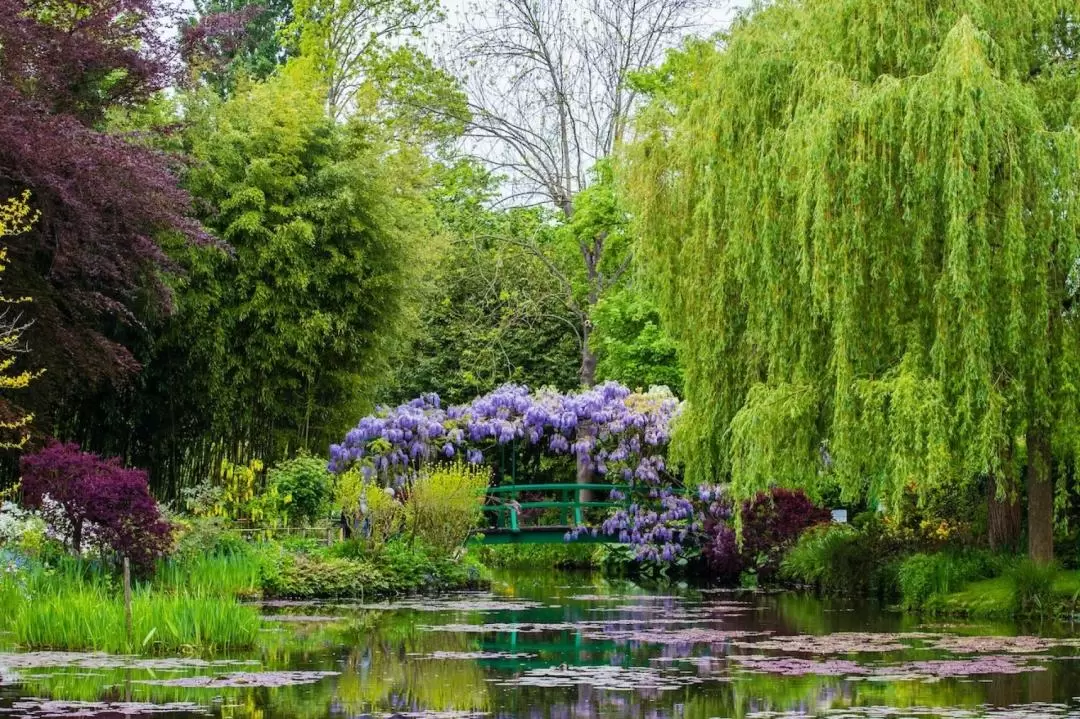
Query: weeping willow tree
(861, 220)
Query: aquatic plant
(84, 618)
(226, 576)
(611, 678)
(244, 679)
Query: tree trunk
(587, 374)
(1003, 517)
(1003, 511)
(76, 537)
(1040, 491)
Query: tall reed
(76, 606)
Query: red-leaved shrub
(83, 496)
(771, 522)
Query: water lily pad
(601, 677)
(99, 660)
(243, 679)
(958, 644)
(49, 708)
(476, 655)
(839, 643)
(673, 636)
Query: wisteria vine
(616, 433)
(610, 429)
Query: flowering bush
(91, 501)
(19, 529)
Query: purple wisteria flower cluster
(613, 431)
(664, 524)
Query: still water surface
(564, 645)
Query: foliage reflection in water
(564, 645)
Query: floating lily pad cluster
(613, 678)
(243, 679)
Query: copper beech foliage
(92, 262)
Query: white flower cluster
(15, 522)
(58, 528)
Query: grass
(999, 597)
(232, 575)
(83, 620)
(75, 606)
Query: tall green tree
(491, 312)
(228, 40)
(282, 333)
(862, 221)
(631, 344)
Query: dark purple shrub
(722, 553)
(771, 522)
(84, 497)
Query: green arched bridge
(562, 505)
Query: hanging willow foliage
(861, 219)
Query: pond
(567, 645)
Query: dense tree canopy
(490, 311)
(281, 337)
(92, 261)
(862, 220)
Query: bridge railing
(506, 508)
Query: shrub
(84, 497)
(303, 483)
(571, 555)
(828, 557)
(444, 504)
(771, 523)
(922, 576)
(374, 513)
(303, 576)
(208, 536)
(413, 566)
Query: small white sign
(839, 515)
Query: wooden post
(127, 598)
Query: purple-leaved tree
(92, 262)
(87, 499)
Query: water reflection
(558, 646)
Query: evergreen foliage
(861, 221)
